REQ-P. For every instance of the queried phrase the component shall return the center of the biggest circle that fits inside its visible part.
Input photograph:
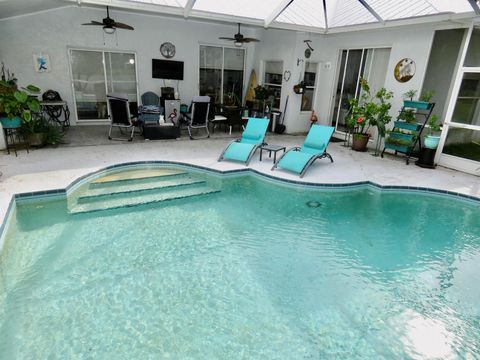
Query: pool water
(247, 272)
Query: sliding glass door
(355, 64)
(97, 73)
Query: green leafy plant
(408, 115)
(427, 95)
(18, 103)
(410, 94)
(397, 141)
(433, 125)
(53, 135)
(370, 110)
(262, 92)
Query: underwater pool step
(169, 194)
(105, 193)
(136, 176)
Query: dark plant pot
(360, 142)
(36, 139)
(8, 123)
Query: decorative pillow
(313, 145)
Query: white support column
(370, 9)
(188, 7)
(276, 12)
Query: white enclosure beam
(276, 12)
(188, 8)
(475, 7)
(325, 15)
(370, 9)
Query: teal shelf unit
(405, 137)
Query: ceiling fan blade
(227, 38)
(94, 23)
(122, 26)
(247, 40)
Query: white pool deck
(56, 168)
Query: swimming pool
(187, 264)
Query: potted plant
(422, 103)
(17, 105)
(35, 130)
(370, 110)
(431, 140)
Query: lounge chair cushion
(238, 151)
(295, 160)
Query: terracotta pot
(360, 142)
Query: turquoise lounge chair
(299, 159)
(243, 149)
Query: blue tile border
(79, 181)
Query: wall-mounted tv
(167, 69)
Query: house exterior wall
(412, 42)
(54, 32)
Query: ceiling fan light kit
(109, 25)
(238, 39)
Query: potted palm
(16, 105)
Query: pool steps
(100, 194)
(139, 188)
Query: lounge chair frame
(250, 155)
(309, 162)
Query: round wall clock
(167, 49)
(404, 70)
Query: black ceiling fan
(109, 25)
(239, 39)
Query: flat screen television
(167, 69)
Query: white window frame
(314, 87)
(223, 47)
(263, 72)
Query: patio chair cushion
(238, 151)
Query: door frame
(451, 161)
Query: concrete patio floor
(88, 150)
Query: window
(96, 73)
(309, 80)
(273, 81)
(221, 73)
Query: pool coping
(80, 180)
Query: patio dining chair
(299, 159)
(252, 138)
(119, 114)
(198, 117)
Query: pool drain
(313, 204)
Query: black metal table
(270, 149)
